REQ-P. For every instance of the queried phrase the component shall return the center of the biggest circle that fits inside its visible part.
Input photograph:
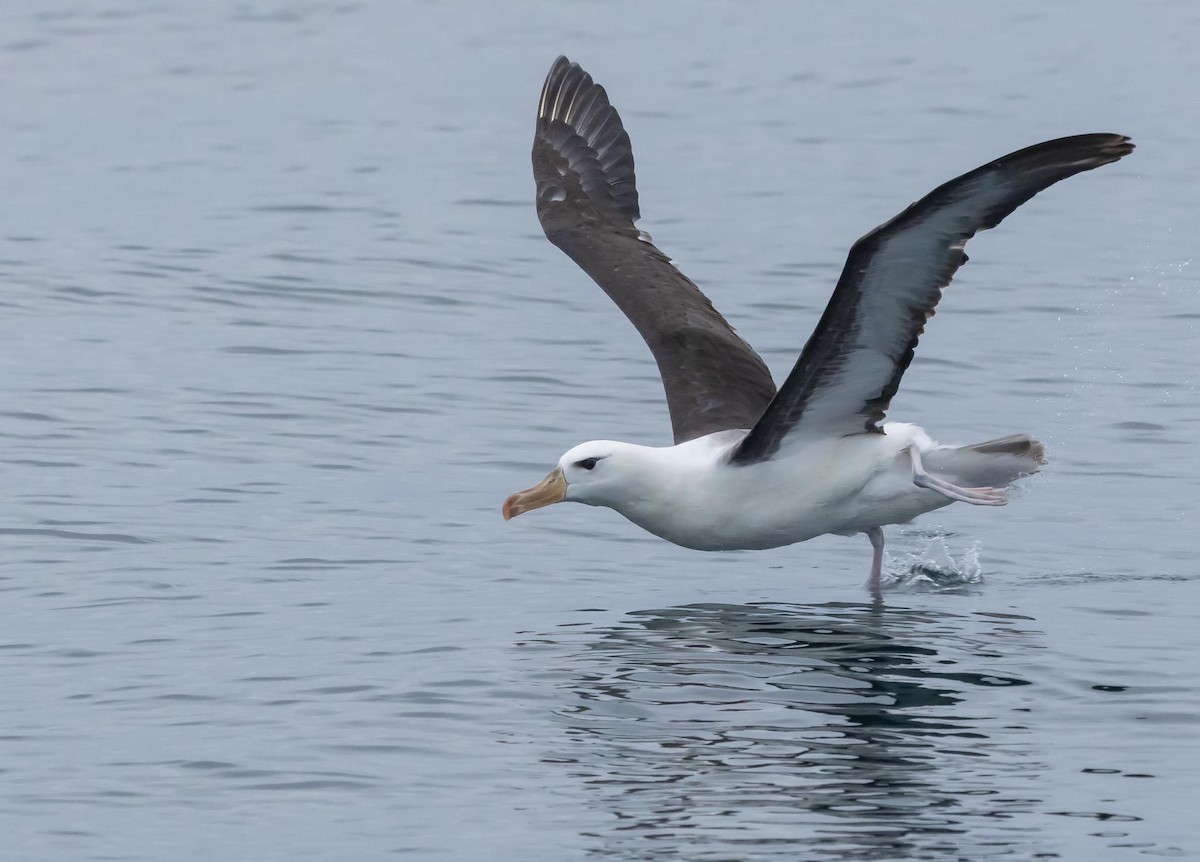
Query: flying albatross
(753, 467)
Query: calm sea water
(281, 332)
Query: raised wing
(851, 366)
(587, 203)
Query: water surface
(282, 332)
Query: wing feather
(850, 369)
(587, 203)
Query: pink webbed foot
(974, 496)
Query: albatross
(752, 466)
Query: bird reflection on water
(757, 731)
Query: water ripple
(847, 730)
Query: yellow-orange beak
(552, 489)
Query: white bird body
(841, 485)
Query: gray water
(281, 332)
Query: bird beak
(552, 489)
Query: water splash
(931, 567)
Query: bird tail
(993, 463)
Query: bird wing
(851, 366)
(587, 203)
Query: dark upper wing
(587, 203)
(851, 366)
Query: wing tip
(1121, 145)
(1109, 146)
(1074, 153)
(562, 71)
(578, 123)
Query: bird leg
(875, 534)
(974, 496)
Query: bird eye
(587, 463)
